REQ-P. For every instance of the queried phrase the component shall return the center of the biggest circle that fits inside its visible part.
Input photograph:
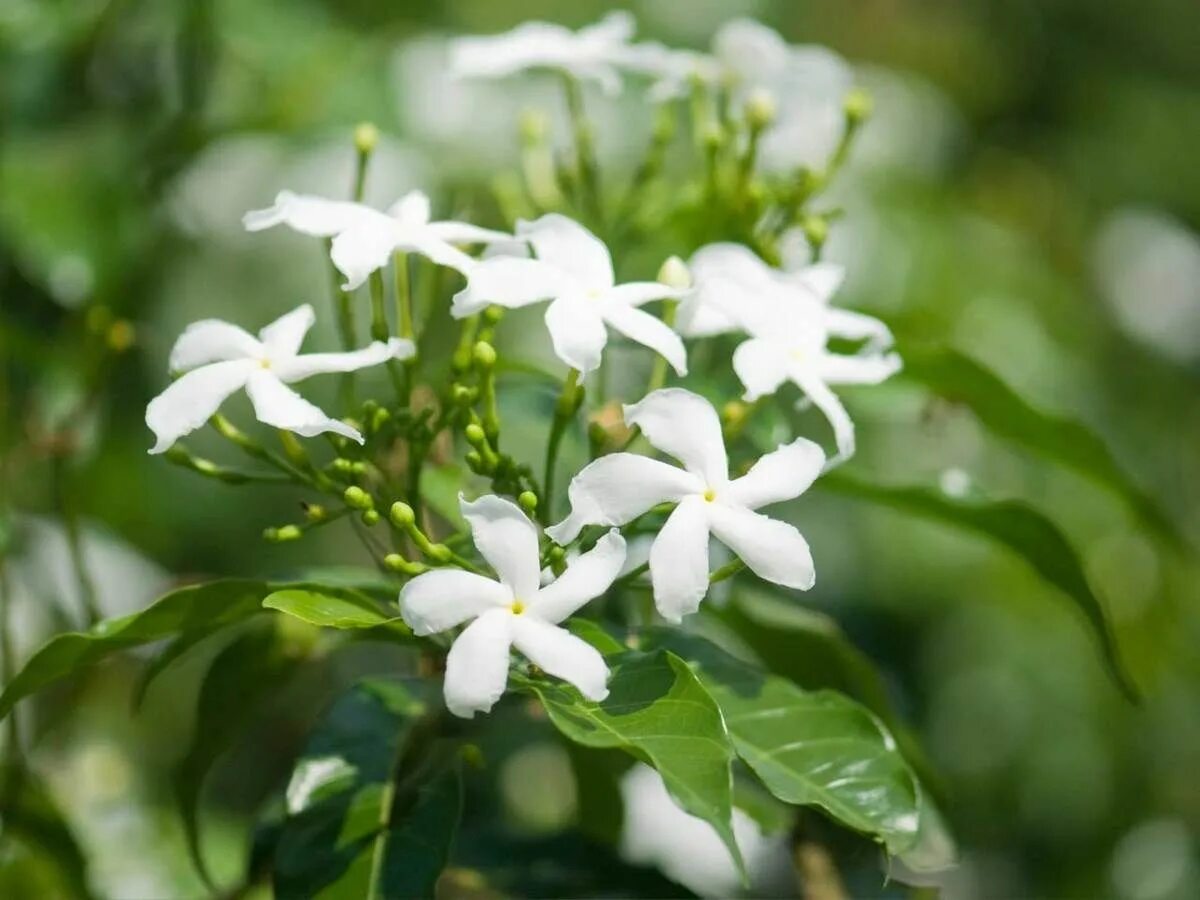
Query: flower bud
(475, 461)
(760, 109)
(357, 498)
(493, 314)
(474, 434)
(285, 533)
(366, 137)
(462, 395)
(370, 517)
(533, 126)
(528, 501)
(121, 336)
(398, 563)
(713, 137)
(314, 512)
(858, 106)
(440, 553)
(402, 515)
(816, 230)
(484, 355)
(674, 273)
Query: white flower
(594, 53)
(219, 358)
(364, 239)
(513, 611)
(574, 270)
(616, 489)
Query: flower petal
(426, 243)
(438, 600)
(311, 215)
(648, 331)
(477, 665)
(212, 340)
(856, 326)
(686, 426)
(529, 44)
(466, 233)
(507, 539)
(679, 560)
(762, 365)
(618, 488)
(191, 400)
(831, 407)
(821, 280)
(412, 209)
(773, 550)
(782, 474)
(359, 251)
(557, 652)
(301, 367)
(588, 576)
(567, 245)
(616, 27)
(866, 368)
(284, 336)
(636, 293)
(278, 405)
(577, 332)
(511, 282)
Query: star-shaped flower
(594, 53)
(364, 239)
(617, 488)
(511, 611)
(219, 359)
(574, 270)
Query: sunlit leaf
(335, 608)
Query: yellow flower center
(265, 363)
(517, 607)
(710, 495)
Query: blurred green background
(1027, 192)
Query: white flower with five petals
(617, 488)
(219, 358)
(364, 238)
(573, 269)
(594, 53)
(514, 610)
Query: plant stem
(70, 519)
(564, 411)
(585, 148)
(404, 318)
(726, 571)
(658, 374)
(380, 332)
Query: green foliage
(340, 609)
(29, 814)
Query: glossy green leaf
(367, 816)
(1017, 526)
(336, 608)
(812, 748)
(28, 812)
(960, 379)
(167, 657)
(659, 712)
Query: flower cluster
(545, 575)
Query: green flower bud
(366, 137)
(280, 535)
(402, 515)
(533, 126)
(357, 498)
(556, 554)
(474, 435)
(760, 109)
(493, 314)
(475, 461)
(343, 465)
(370, 517)
(440, 553)
(462, 395)
(473, 757)
(713, 136)
(858, 106)
(484, 355)
(674, 273)
(314, 512)
(816, 230)
(528, 501)
(398, 563)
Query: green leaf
(812, 748)
(207, 606)
(596, 635)
(166, 658)
(366, 819)
(657, 711)
(30, 814)
(335, 608)
(1017, 526)
(960, 379)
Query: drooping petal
(278, 405)
(687, 427)
(762, 366)
(567, 245)
(209, 341)
(412, 209)
(588, 576)
(618, 488)
(821, 280)
(191, 400)
(298, 368)
(477, 665)
(831, 407)
(557, 652)
(311, 215)
(782, 474)
(866, 368)
(577, 332)
(773, 550)
(359, 251)
(424, 242)
(511, 282)
(679, 560)
(648, 331)
(283, 337)
(856, 326)
(440, 599)
(507, 539)
(465, 233)
(637, 293)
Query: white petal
(559, 653)
(686, 426)
(822, 280)
(311, 215)
(636, 293)
(569, 246)
(477, 665)
(528, 45)
(773, 550)
(648, 331)
(359, 251)
(856, 326)
(278, 405)
(192, 399)
(862, 369)
(831, 407)
(209, 341)
(283, 337)
(588, 576)
(511, 282)
(577, 332)
(616, 27)
(507, 539)
(679, 560)
(782, 474)
(426, 243)
(617, 488)
(301, 367)
(443, 598)
(411, 209)
(762, 365)
(466, 233)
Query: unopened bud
(474, 460)
(462, 395)
(121, 336)
(713, 137)
(760, 109)
(733, 413)
(357, 498)
(858, 106)
(314, 512)
(528, 501)
(816, 230)
(370, 517)
(366, 137)
(533, 126)
(474, 434)
(484, 355)
(493, 314)
(674, 273)
(402, 514)
(398, 563)
(285, 533)
(440, 553)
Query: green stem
(564, 411)
(726, 571)
(658, 374)
(585, 148)
(70, 518)
(404, 318)
(380, 332)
